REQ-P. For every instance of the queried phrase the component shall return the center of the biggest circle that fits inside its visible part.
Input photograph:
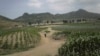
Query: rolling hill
(6, 22)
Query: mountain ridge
(81, 13)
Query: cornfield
(81, 44)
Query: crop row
(20, 39)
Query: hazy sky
(15, 8)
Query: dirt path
(47, 47)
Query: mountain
(79, 14)
(47, 16)
(6, 22)
(34, 17)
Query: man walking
(45, 35)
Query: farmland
(18, 39)
(81, 39)
(77, 39)
(78, 27)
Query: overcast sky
(15, 8)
